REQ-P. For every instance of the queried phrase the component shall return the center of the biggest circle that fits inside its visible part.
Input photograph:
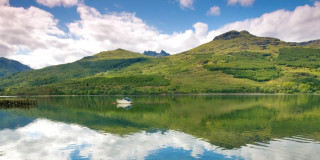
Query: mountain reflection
(165, 127)
(46, 139)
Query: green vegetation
(299, 57)
(114, 85)
(254, 66)
(295, 82)
(61, 73)
(134, 80)
(8, 66)
(234, 62)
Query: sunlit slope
(87, 66)
(235, 41)
(234, 62)
(238, 62)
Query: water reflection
(124, 105)
(182, 127)
(55, 140)
(46, 139)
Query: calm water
(179, 127)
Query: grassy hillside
(8, 66)
(233, 62)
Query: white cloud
(302, 24)
(36, 31)
(94, 32)
(201, 29)
(30, 29)
(186, 3)
(54, 3)
(4, 2)
(125, 30)
(241, 2)
(215, 10)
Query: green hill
(234, 62)
(8, 66)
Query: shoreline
(178, 94)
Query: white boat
(124, 101)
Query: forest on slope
(234, 62)
(8, 66)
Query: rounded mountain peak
(232, 35)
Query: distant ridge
(8, 66)
(155, 54)
(311, 43)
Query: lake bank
(17, 103)
(178, 94)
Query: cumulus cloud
(215, 10)
(4, 2)
(29, 29)
(36, 31)
(201, 29)
(186, 3)
(125, 30)
(54, 3)
(299, 25)
(241, 2)
(94, 32)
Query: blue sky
(167, 15)
(41, 33)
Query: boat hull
(123, 101)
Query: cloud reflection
(45, 139)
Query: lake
(164, 127)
